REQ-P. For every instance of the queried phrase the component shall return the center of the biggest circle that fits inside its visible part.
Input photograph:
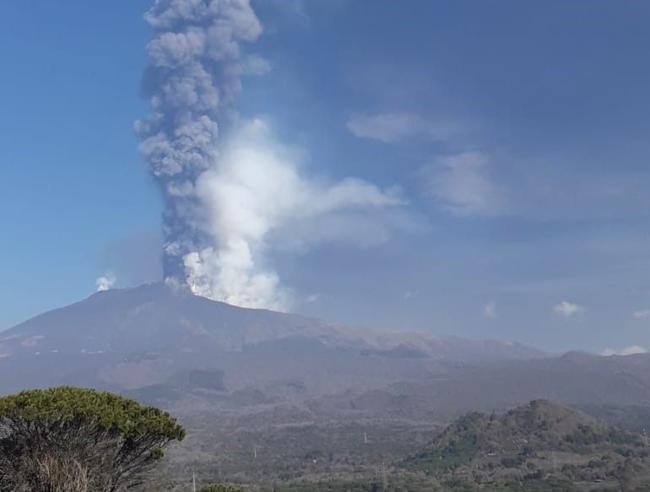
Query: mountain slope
(131, 338)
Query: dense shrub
(72, 439)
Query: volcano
(127, 339)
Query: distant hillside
(605, 386)
(541, 444)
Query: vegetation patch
(72, 439)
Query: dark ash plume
(192, 80)
(229, 203)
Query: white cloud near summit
(105, 282)
(257, 198)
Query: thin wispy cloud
(254, 65)
(631, 350)
(410, 294)
(462, 185)
(397, 127)
(568, 309)
(310, 299)
(490, 310)
(642, 314)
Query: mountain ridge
(145, 335)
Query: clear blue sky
(516, 131)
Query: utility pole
(384, 478)
(255, 446)
(193, 481)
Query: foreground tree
(75, 440)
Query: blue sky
(515, 133)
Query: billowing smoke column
(228, 201)
(192, 81)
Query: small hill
(541, 444)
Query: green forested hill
(540, 444)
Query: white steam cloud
(230, 201)
(254, 194)
(105, 282)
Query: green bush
(98, 439)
